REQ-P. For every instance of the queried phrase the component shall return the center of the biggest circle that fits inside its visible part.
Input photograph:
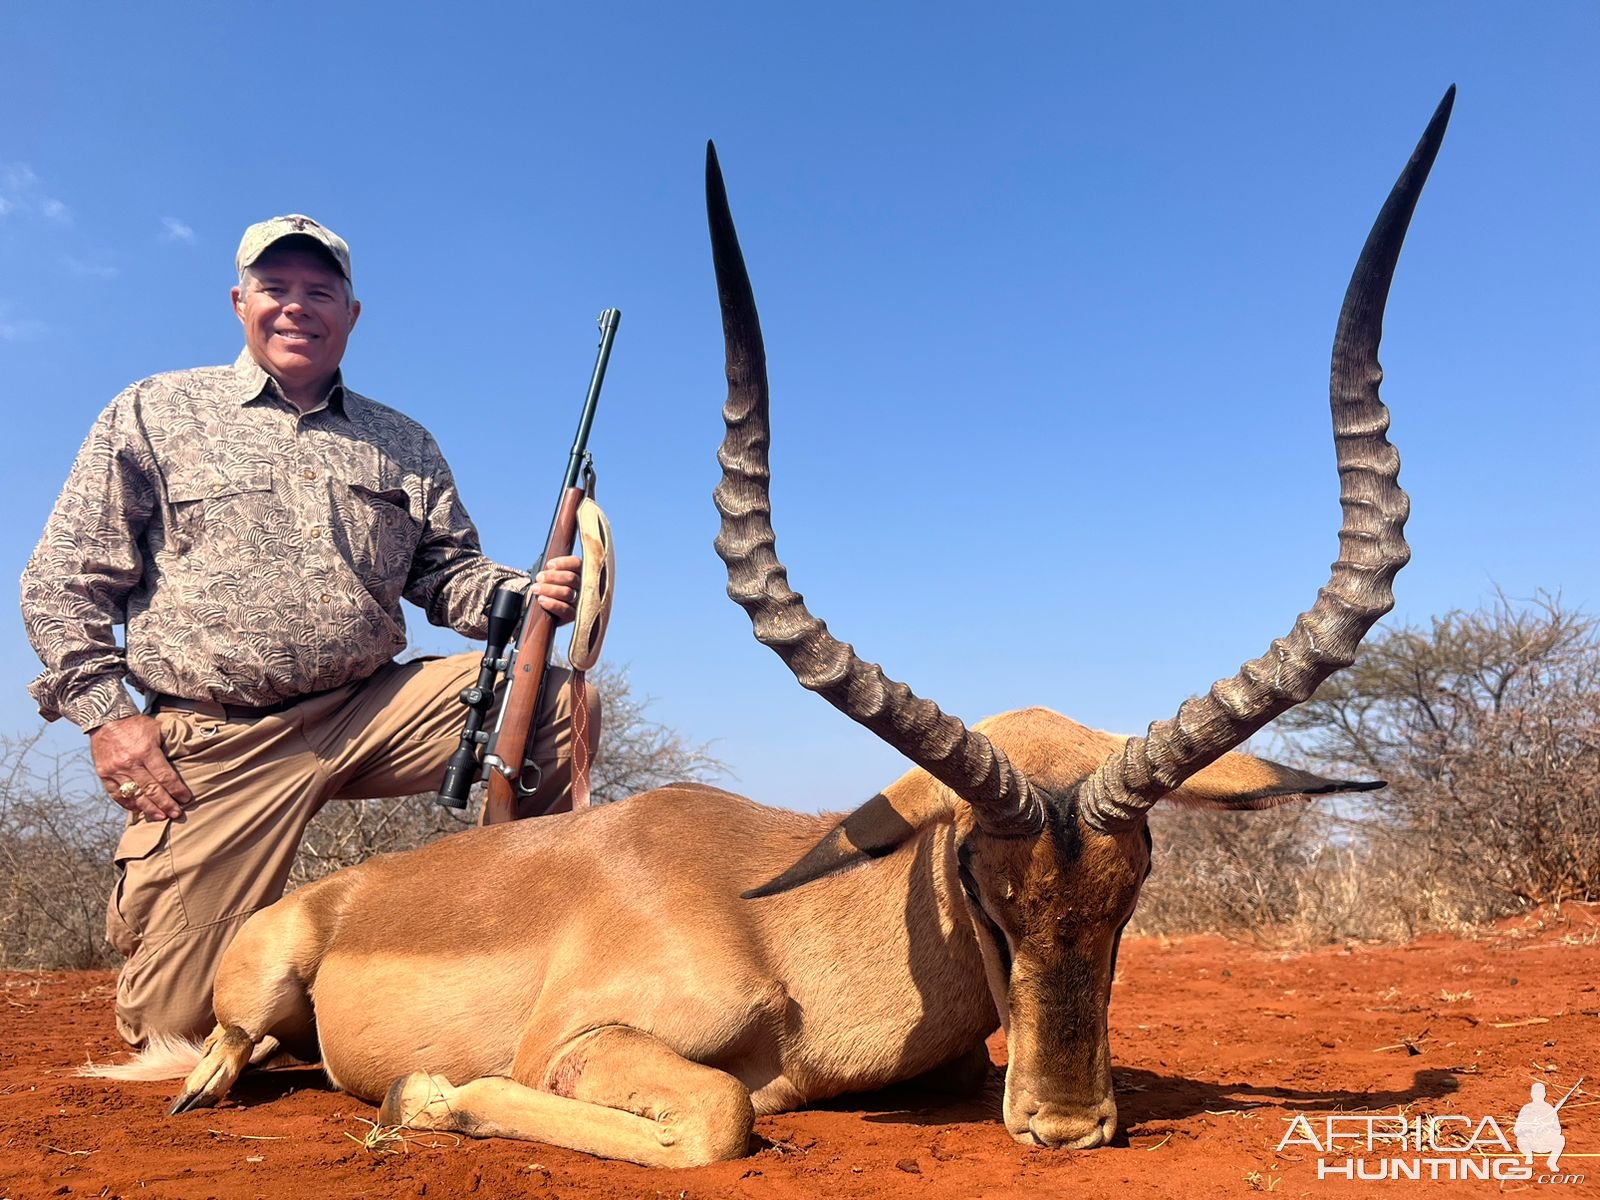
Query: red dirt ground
(1215, 1046)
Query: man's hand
(129, 752)
(556, 587)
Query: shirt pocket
(383, 534)
(212, 498)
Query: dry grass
(1296, 876)
(379, 1139)
(397, 1139)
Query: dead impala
(728, 960)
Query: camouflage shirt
(253, 554)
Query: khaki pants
(186, 886)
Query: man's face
(296, 314)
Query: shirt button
(316, 531)
(326, 599)
(310, 473)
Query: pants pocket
(144, 877)
(185, 733)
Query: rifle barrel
(1570, 1090)
(609, 320)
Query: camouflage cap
(266, 233)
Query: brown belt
(227, 712)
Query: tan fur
(595, 980)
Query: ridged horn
(1372, 548)
(1002, 798)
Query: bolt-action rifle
(518, 645)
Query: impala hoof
(226, 1054)
(419, 1101)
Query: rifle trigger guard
(528, 779)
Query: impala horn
(1003, 800)
(1372, 548)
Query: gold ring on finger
(127, 789)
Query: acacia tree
(1487, 726)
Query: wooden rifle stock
(520, 707)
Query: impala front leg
(616, 1093)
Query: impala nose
(1063, 1129)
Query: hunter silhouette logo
(1443, 1147)
(1538, 1128)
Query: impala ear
(1236, 781)
(878, 828)
(1240, 782)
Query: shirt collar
(251, 382)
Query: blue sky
(1048, 289)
